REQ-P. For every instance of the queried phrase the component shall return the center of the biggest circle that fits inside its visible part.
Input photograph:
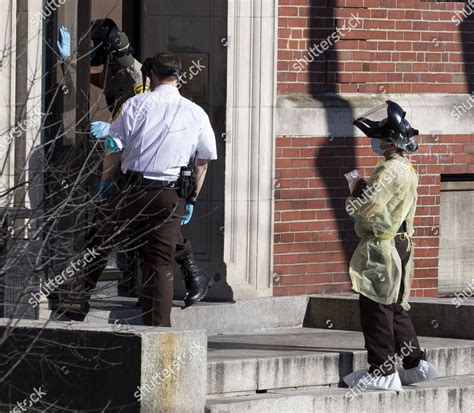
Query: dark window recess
(457, 178)
(132, 24)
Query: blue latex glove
(188, 213)
(64, 43)
(100, 129)
(111, 146)
(105, 188)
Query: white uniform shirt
(160, 131)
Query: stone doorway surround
(249, 177)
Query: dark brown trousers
(127, 262)
(388, 329)
(149, 219)
(184, 249)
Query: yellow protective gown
(390, 199)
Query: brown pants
(388, 329)
(127, 262)
(147, 219)
(184, 249)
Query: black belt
(136, 180)
(403, 228)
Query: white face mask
(377, 146)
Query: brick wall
(397, 46)
(314, 239)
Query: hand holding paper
(356, 182)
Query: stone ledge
(267, 313)
(300, 114)
(432, 317)
(457, 186)
(100, 368)
(216, 318)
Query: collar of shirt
(166, 91)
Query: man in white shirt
(155, 135)
(121, 79)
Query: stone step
(216, 318)
(305, 357)
(447, 395)
(433, 317)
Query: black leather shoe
(71, 311)
(197, 282)
(67, 304)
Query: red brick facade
(399, 46)
(311, 255)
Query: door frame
(250, 155)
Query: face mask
(377, 146)
(412, 146)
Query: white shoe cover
(363, 380)
(423, 372)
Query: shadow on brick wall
(466, 29)
(337, 155)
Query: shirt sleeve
(206, 146)
(118, 129)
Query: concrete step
(215, 317)
(447, 395)
(433, 317)
(305, 357)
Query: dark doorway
(196, 30)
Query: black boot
(197, 281)
(70, 302)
